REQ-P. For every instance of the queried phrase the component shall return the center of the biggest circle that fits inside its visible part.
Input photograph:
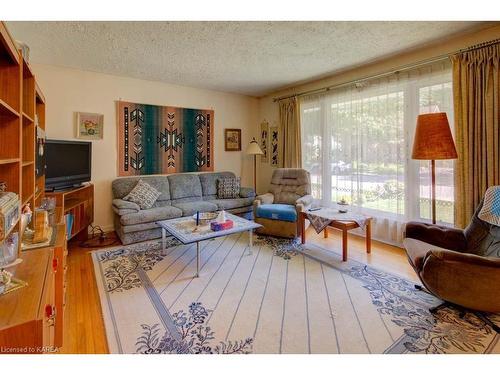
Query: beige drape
(289, 126)
(476, 96)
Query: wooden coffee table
(344, 226)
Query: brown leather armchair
(461, 267)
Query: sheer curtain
(356, 143)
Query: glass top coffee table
(184, 229)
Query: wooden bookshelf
(10, 119)
(24, 321)
(21, 102)
(40, 122)
(79, 203)
(28, 135)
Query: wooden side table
(344, 226)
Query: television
(68, 164)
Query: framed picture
(232, 139)
(274, 134)
(264, 141)
(89, 125)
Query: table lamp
(254, 149)
(433, 141)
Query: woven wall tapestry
(159, 140)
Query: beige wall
(268, 110)
(69, 90)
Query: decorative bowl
(206, 217)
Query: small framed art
(89, 125)
(232, 139)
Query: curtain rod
(391, 72)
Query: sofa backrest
(184, 187)
(181, 187)
(209, 182)
(289, 184)
(122, 186)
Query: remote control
(315, 209)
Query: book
(69, 225)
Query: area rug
(281, 298)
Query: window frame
(411, 92)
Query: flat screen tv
(68, 163)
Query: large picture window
(356, 143)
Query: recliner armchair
(278, 210)
(461, 267)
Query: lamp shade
(253, 148)
(433, 139)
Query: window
(356, 143)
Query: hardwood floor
(385, 257)
(84, 326)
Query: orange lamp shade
(433, 139)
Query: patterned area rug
(282, 298)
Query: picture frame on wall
(232, 139)
(264, 141)
(89, 126)
(274, 142)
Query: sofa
(278, 210)
(181, 195)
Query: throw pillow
(490, 212)
(143, 194)
(228, 188)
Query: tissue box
(228, 224)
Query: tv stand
(64, 188)
(78, 202)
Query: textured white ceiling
(252, 58)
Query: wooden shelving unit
(40, 122)
(28, 135)
(10, 118)
(79, 203)
(22, 104)
(32, 316)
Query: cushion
(246, 192)
(289, 184)
(209, 181)
(152, 214)
(124, 185)
(228, 188)
(184, 185)
(227, 204)
(190, 208)
(124, 211)
(284, 212)
(139, 227)
(120, 204)
(143, 194)
(491, 206)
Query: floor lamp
(254, 149)
(433, 141)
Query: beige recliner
(278, 210)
